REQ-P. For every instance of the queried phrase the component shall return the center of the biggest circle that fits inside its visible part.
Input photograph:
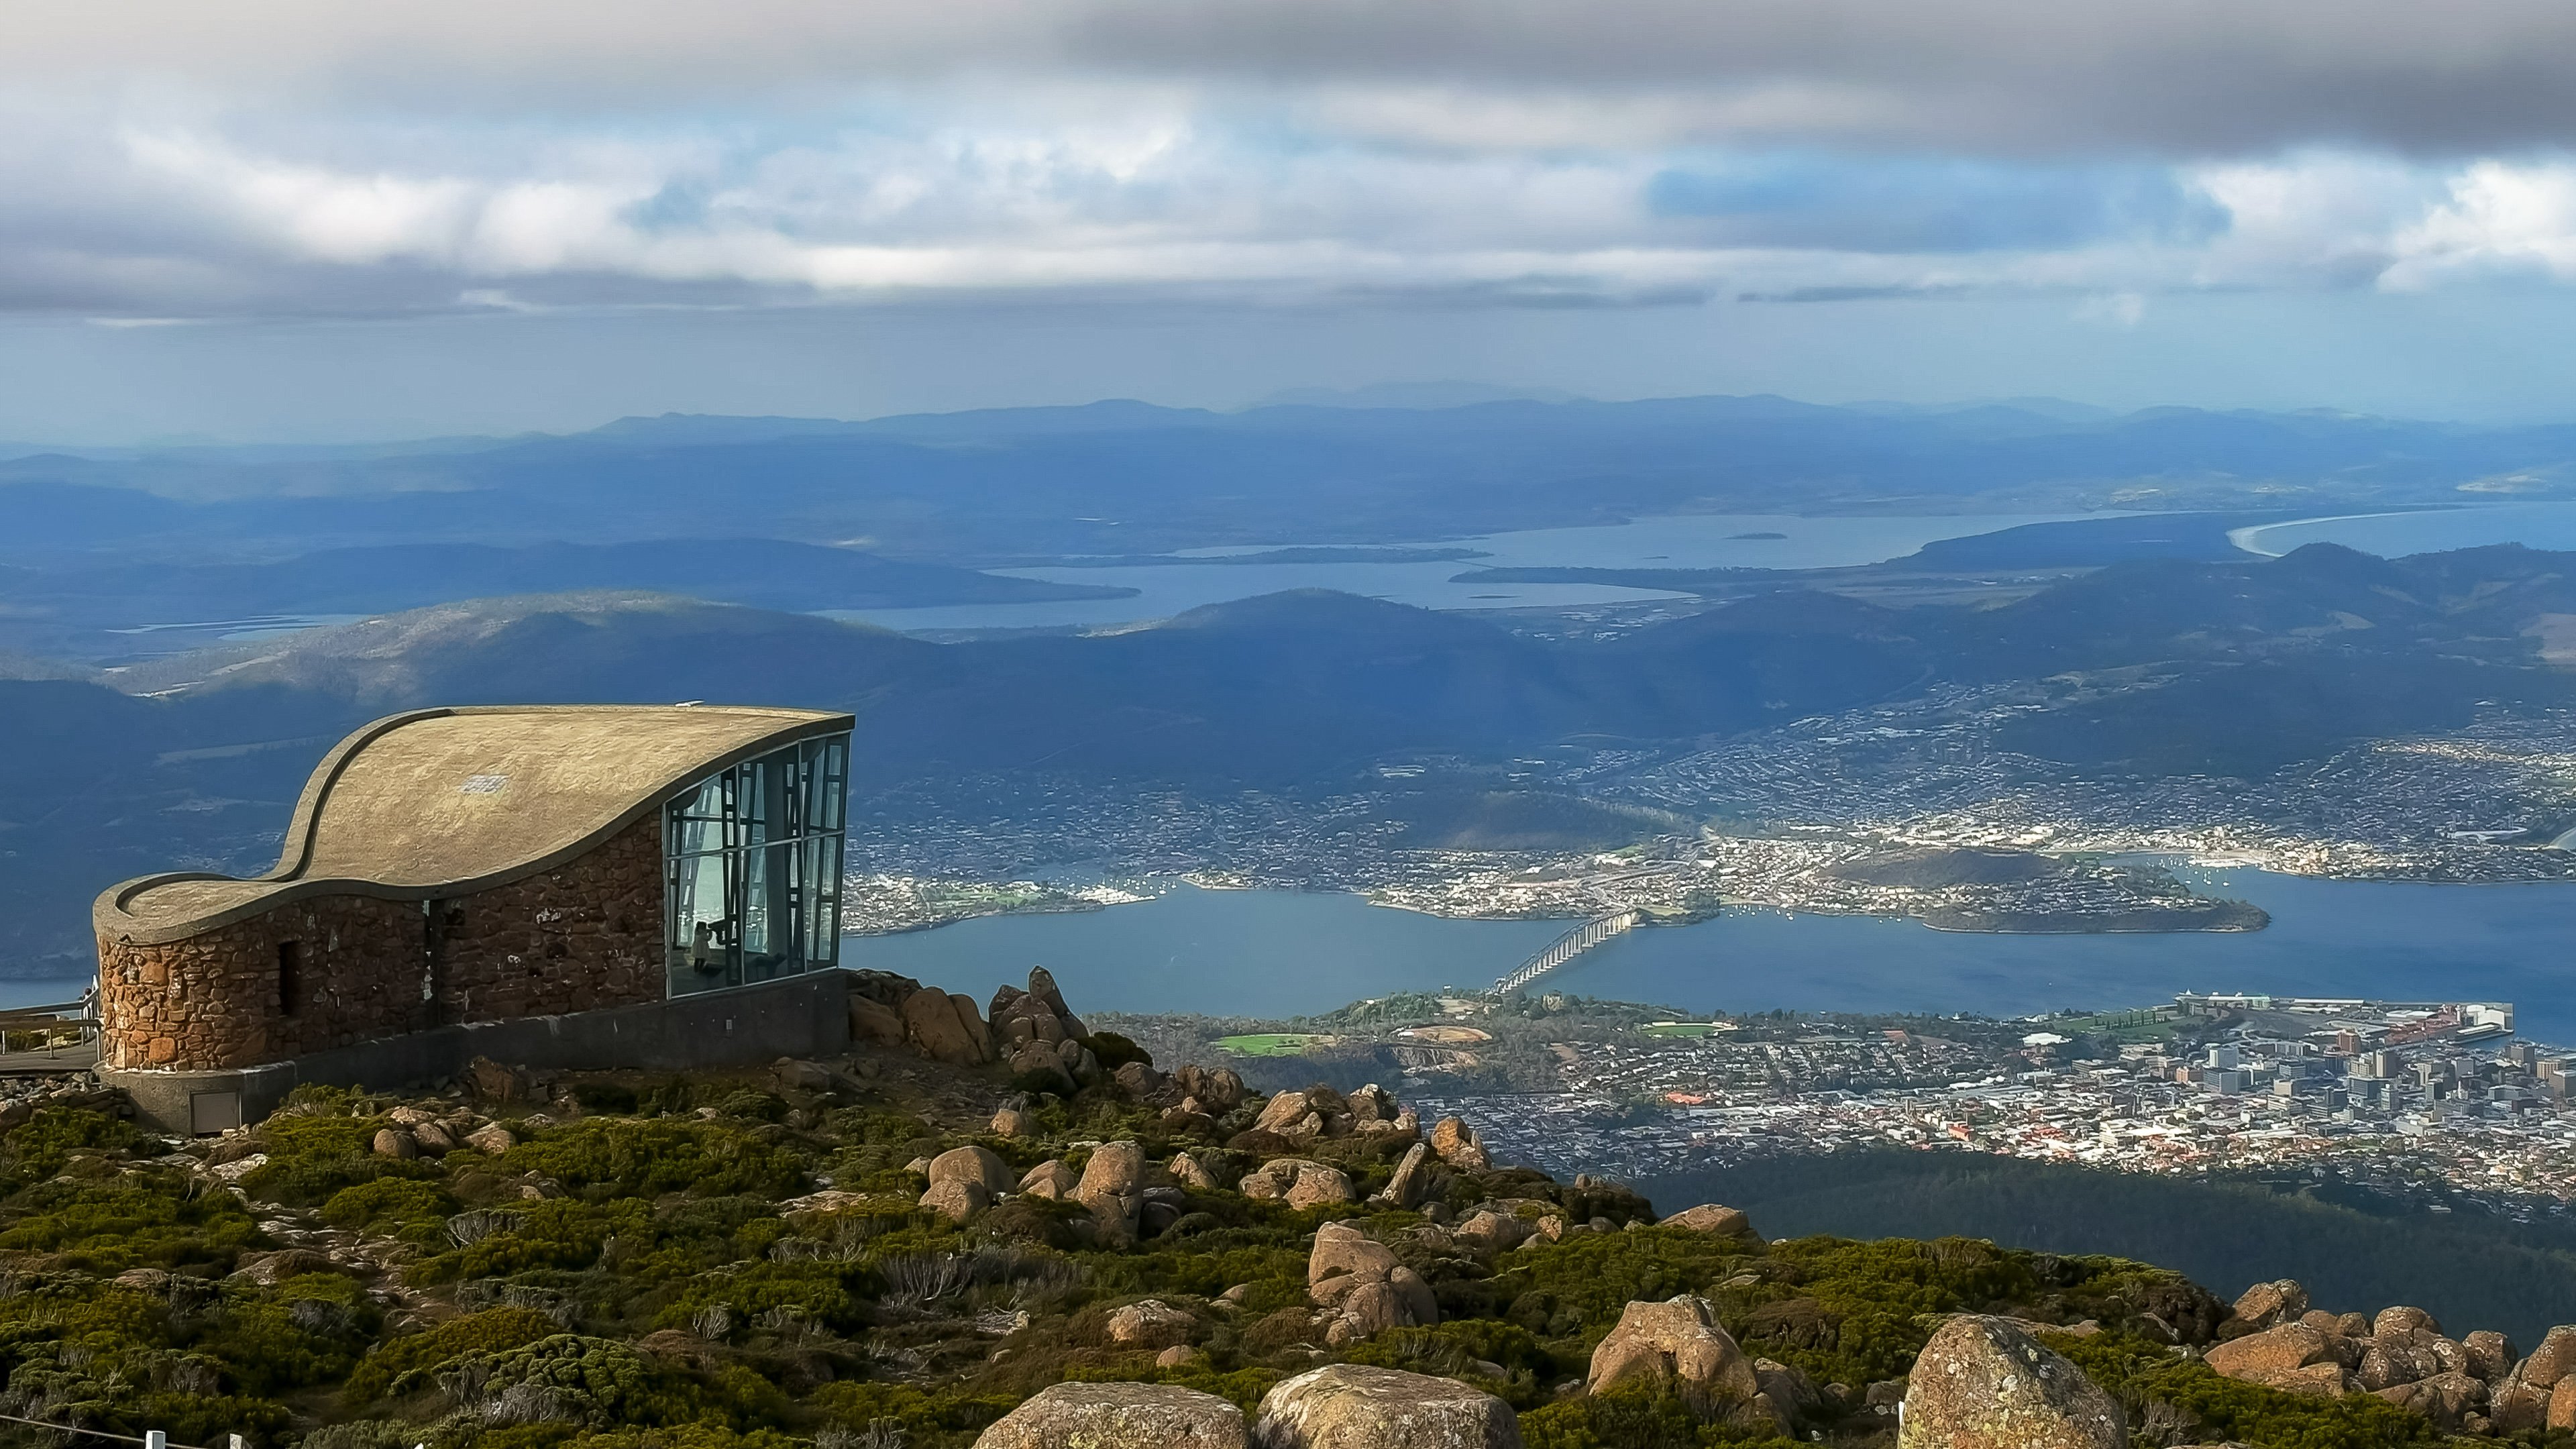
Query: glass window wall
(753, 858)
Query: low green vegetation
(723, 1263)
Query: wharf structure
(588, 886)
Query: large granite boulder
(1717, 1221)
(1981, 1383)
(1411, 1180)
(1366, 1287)
(2269, 1305)
(1118, 1416)
(2297, 1357)
(1301, 1182)
(1211, 1093)
(978, 1165)
(1456, 1143)
(2555, 1359)
(1354, 1406)
(1113, 1187)
(945, 1028)
(1677, 1342)
(1150, 1323)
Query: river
(1280, 953)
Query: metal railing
(63, 1030)
(1568, 946)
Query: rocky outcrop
(2297, 1357)
(946, 1028)
(1366, 1288)
(972, 1164)
(1456, 1143)
(1118, 1416)
(2269, 1305)
(1678, 1343)
(1208, 1093)
(1981, 1383)
(1411, 1180)
(1708, 1217)
(1150, 1323)
(1354, 1406)
(1113, 1187)
(1301, 1182)
(1050, 1179)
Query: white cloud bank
(164, 158)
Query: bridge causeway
(1568, 946)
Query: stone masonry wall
(586, 934)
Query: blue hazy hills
(2144, 668)
(1124, 477)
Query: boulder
(2447, 1399)
(434, 1138)
(1355, 1406)
(1346, 1256)
(1042, 988)
(1367, 1288)
(1079, 1063)
(2269, 1305)
(1411, 1178)
(931, 1023)
(2402, 1322)
(493, 1082)
(1150, 1323)
(1012, 1122)
(491, 1139)
(1488, 1232)
(1038, 1062)
(2514, 1406)
(795, 1076)
(2257, 1357)
(977, 1165)
(1981, 1383)
(1179, 1355)
(977, 1035)
(1216, 1092)
(1787, 1393)
(1373, 1105)
(1118, 1416)
(1301, 1182)
(2562, 1404)
(1292, 1115)
(2555, 1359)
(1709, 1217)
(1113, 1187)
(1677, 1342)
(2393, 1360)
(1456, 1143)
(875, 1022)
(1191, 1173)
(395, 1142)
(957, 1198)
(1139, 1080)
(2491, 1355)
(1050, 1179)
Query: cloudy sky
(313, 219)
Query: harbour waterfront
(1280, 953)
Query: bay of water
(2394, 535)
(1694, 541)
(1280, 953)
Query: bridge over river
(1568, 946)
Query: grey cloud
(2196, 77)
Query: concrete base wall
(802, 1016)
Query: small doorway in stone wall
(290, 978)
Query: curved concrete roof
(440, 802)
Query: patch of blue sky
(1915, 204)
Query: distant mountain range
(2144, 668)
(1127, 478)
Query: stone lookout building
(585, 886)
